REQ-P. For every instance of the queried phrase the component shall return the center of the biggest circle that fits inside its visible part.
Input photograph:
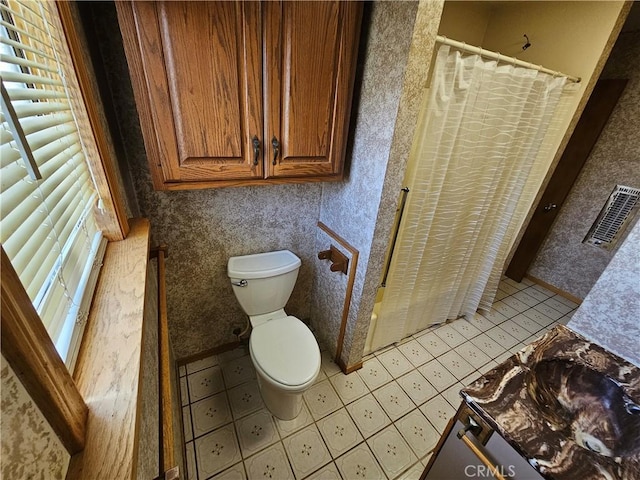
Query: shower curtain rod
(497, 56)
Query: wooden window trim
(109, 367)
(113, 218)
(29, 350)
(166, 368)
(99, 405)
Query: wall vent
(613, 217)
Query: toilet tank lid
(262, 265)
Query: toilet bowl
(283, 350)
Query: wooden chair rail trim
(167, 457)
(29, 350)
(347, 299)
(108, 369)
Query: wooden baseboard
(347, 369)
(207, 353)
(554, 289)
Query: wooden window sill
(108, 370)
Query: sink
(590, 408)
(570, 407)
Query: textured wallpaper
(350, 208)
(613, 304)
(30, 448)
(362, 210)
(414, 87)
(203, 228)
(564, 261)
(329, 292)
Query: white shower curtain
(474, 150)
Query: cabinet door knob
(276, 148)
(256, 149)
(550, 206)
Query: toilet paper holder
(339, 261)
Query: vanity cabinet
(242, 93)
(469, 448)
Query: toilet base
(284, 405)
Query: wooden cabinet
(242, 93)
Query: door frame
(594, 117)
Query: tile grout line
(414, 405)
(193, 440)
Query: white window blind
(47, 196)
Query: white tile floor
(379, 422)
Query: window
(47, 196)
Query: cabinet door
(310, 59)
(198, 87)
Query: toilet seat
(286, 352)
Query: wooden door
(199, 91)
(310, 60)
(594, 117)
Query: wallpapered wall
(350, 208)
(362, 210)
(564, 261)
(612, 307)
(203, 228)
(30, 447)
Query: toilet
(283, 350)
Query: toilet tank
(263, 282)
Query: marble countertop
(567, 405)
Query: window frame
(24, 342)
(113, 222)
